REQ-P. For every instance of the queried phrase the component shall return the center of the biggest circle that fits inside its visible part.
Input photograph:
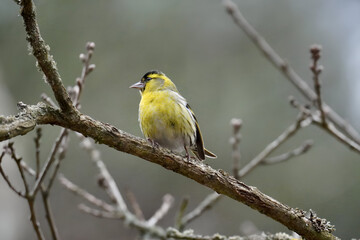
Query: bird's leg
(153, 143)
(187, 153)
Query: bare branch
(235, 141)
(206, 204)
(48, 100)
(62, 150)
(110, 183)
(329, 126)
(332, 130)
(190, 235)
(180, 215)
(127, 216)
(28, 169)
(168, 201)
(26, 120)
(86, 70)
(17, 160)
(49, 162)
(87, 196)
(6, 178)
(304, 148)
(315, 51)
(286, 69)
(28, 196)
(37, 151)
(98, 213)
(135, 205)
(45, 61)
(289, 132)
(49, 215)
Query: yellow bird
(166, 118)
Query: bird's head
(154, 81)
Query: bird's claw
(153, 143)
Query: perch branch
(189, 235)
(219, 181)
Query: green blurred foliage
(221, 74)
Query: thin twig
(97, 213)
(304, 148)
(180, 215)
(87, 196)
(37, 151)
(49, 162)
(235, 141)
(86, 70)
(28, 169)
(17, 160)
(62, 151)
(48, 100)
(134, 204)
(328, 127)
(167, 203)
(125, 215)
(28, 196)
(206, 204)
(110, 183)
(49, 215)
(289, 132)
(315, 51)
(6, 178)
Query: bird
(166, 118)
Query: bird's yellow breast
(165, 119)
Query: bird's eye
(147, 79)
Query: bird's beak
(138, 85)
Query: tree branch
(168, 201)
(286, 69)
(45, 61)
(206, 204)
(219, 181)
(304, 148)
(315, 51)
(189, 235)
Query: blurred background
(222, 75)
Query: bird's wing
(198, 139)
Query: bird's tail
(209, 154)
